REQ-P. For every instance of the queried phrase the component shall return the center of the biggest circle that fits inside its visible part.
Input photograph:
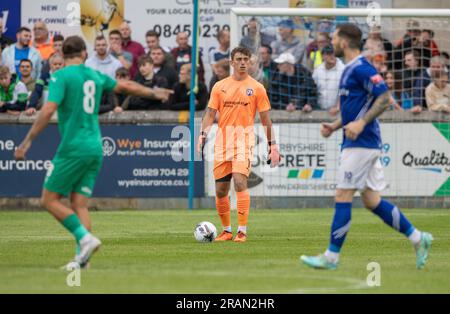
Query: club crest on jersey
(249, 92)
(344, 92)
(376, 79)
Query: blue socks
(393, 217)
(388, 212)
(340, 226)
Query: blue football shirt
(359, 87)
(19, 55)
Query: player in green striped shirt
(75, 93)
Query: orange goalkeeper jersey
(237, 103)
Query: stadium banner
(10, 13)
(85, 18)
(170, 17)
(60, 16)
(355, 4)
(138, 162)
(415, 157)
(90, 18)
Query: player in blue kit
(364, 96)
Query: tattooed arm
(379, 106)
(353, 129)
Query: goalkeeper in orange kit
(236, 98)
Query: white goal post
(409, 47)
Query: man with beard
(364, 96)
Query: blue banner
(139, 161)
(10, 12)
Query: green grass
(155, 252)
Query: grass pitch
(155, 252)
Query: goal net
(293, 58)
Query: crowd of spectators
(297, 74)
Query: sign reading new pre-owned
(139, 161)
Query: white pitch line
(353, 283)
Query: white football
(205, 232)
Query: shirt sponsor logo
(235, 103)
(376, 79)
(344, 92)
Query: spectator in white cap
(291, 86)
(327, 77)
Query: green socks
(73, 224)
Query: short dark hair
(224, 64)
(445, 54)
(143, 60)
(100, 37)
(73, 46)
(122, 72)
(269, 49)
(24, 61)
(159, 48)
(328, 49)
(23, 29)
(244, 50)
(351, 33)
(151, 33)
(115, 32)
(416, 55)
(429, 31)
(58, 37)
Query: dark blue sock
(392, 216)
(340, 226)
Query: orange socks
(243, 208)
(223, 209)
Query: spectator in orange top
(42, 40)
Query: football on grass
(205, 232)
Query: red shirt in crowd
(136, 50)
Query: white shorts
(359, 169)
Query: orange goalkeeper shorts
(225, 165)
